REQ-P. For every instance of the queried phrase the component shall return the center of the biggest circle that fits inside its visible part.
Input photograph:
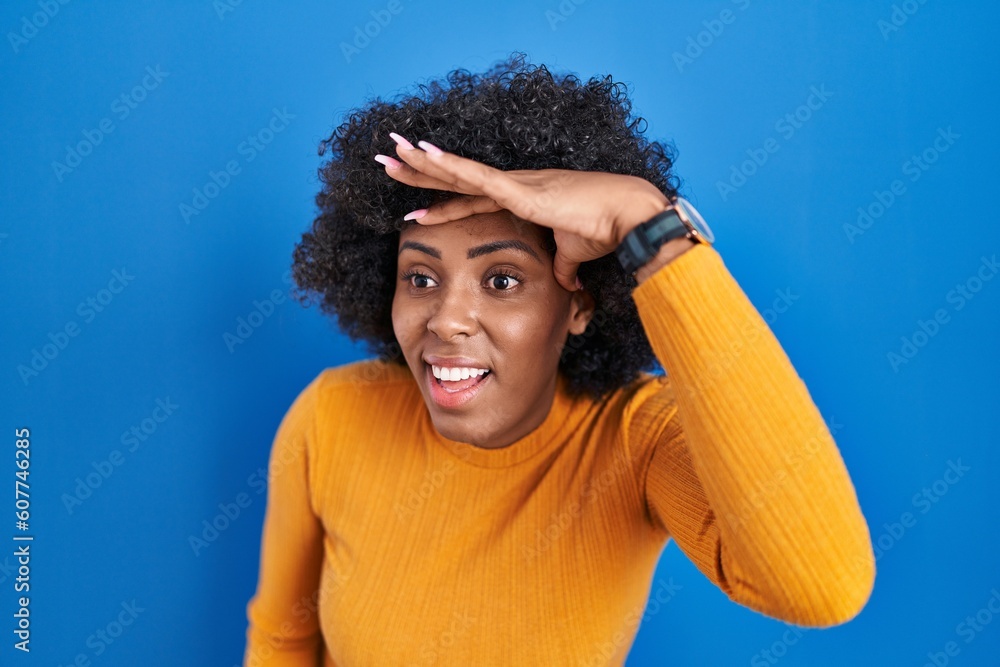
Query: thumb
(565, 271)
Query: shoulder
(357, 376)
(342, 403)
(649, 406)
(647, 387)
(359, 387)
(638, 407)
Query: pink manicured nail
(392, 163)
(401, 141)
(579, 285)
(415, 215)
(430, 148)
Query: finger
(404, 173)
(565, 271)
(458, 208)
(462, 175)
(423, 173)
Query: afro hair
(514, 116)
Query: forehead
(474, 230)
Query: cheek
(530, 334)
(404, 321)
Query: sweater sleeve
(283, 629)
(736, 463)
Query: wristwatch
(679, 219)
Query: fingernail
(579, 285)
(430, 148)
(415, 215)
(401, 141)
(391, 163)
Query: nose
(453, 313)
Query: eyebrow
(477, 251)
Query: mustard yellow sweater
(387, 544)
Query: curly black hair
(514, 116)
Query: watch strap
(642, 243)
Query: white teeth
(453, 374)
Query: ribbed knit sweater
(385, 543)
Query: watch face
(696, 220)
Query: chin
(457, 428)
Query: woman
(497, 487)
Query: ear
(581, 310)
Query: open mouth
(453, 393)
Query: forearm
(793, 540)
(275, 650)
(642, 206)
(283, 624)
(666, 254)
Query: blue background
(162, 336)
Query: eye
(410, 275)
(501, 280)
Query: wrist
(647, 202)
(666, 254)
(642, 205)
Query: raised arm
(801, 550)
(736, 462)
(283, 628)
